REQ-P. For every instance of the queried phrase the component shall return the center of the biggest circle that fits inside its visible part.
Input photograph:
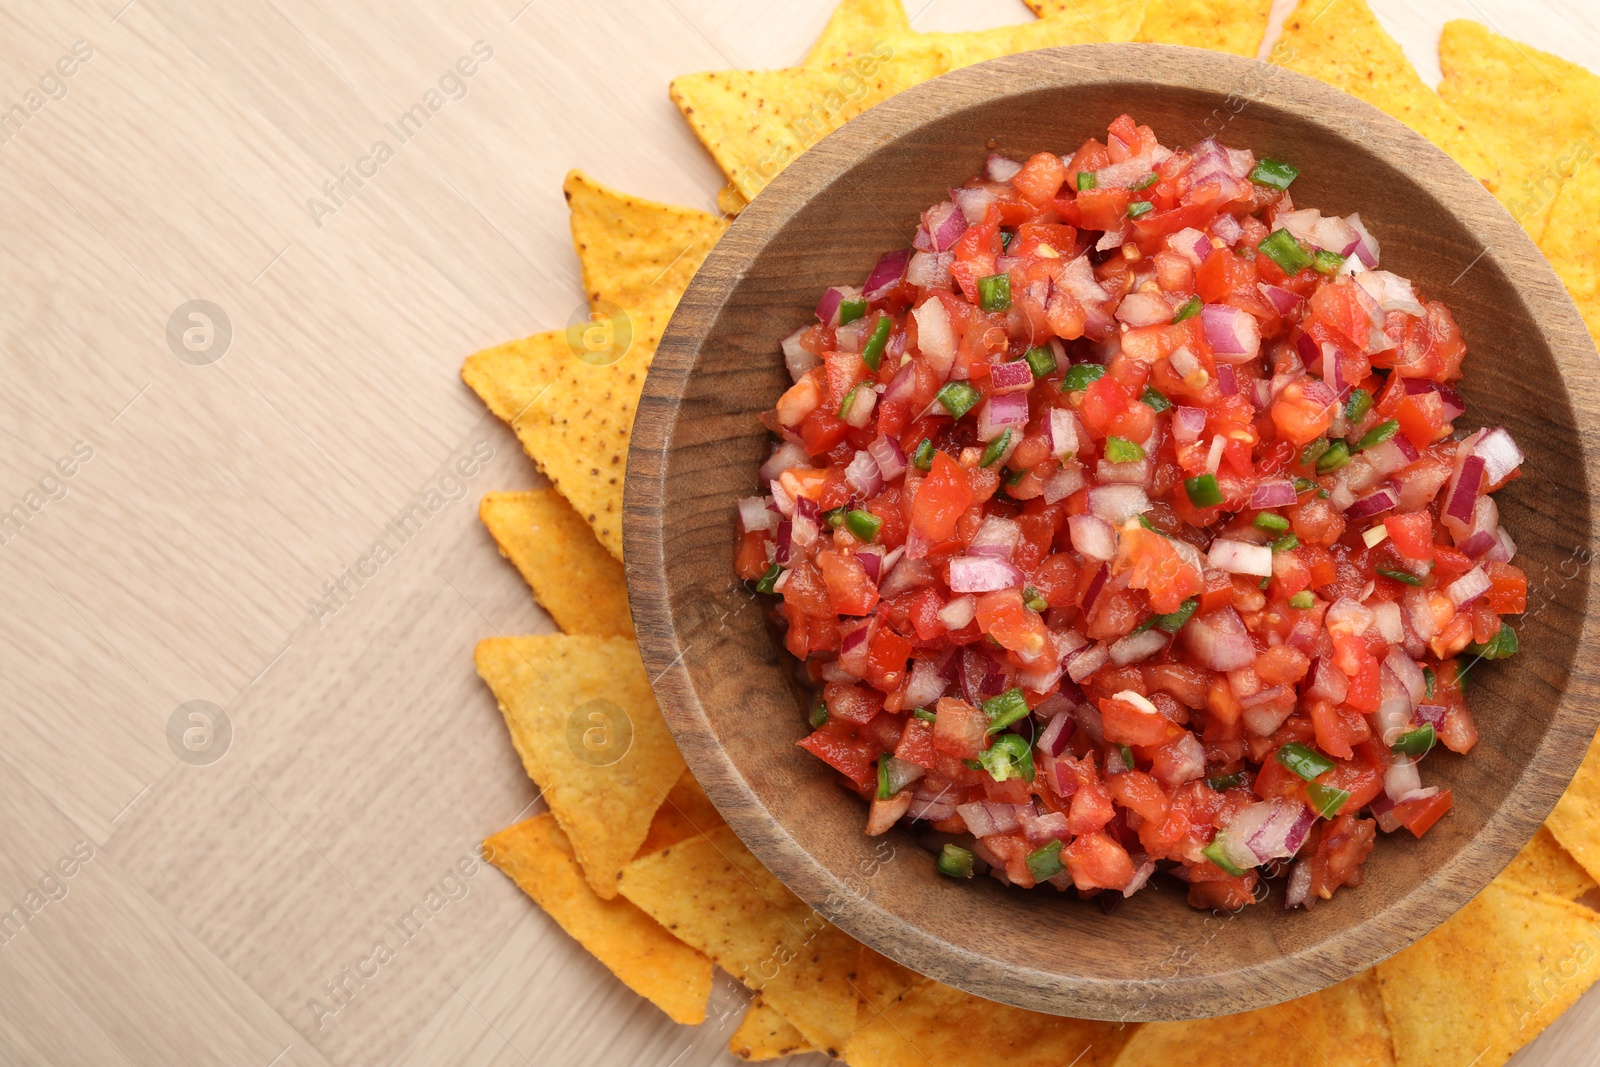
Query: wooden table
(196, 522)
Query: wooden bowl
(724, 683)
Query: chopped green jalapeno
(1378, 434)
(1006, 237)
(1404, 577)
(1081, 377)
(851, 310)
(1014, 478)
(819, 715)
(1501, 646)
(1326, 262)
(1306, 485)
(1140, 208)
(1302, 601)
(1154, 399)
(765, 583)
(1173, 621)
(1122, 450)
(957, 398)
(884, 792)
(1041, 360)
(924, 714)
(1045, 861)
(1272, 172)
(1326, 800)
(1035, 602)
(1269, 521)
(1087, 180)
(1009, 757)
(1283, 248)
(834, 517)
(1428, 679)
(1356, 408)
(1146, 182)
(850, 399)
(1125, 754)
(995, 449)
(872, 351)
(994, 292)
(1005, 709)
(1203, 490)
(1306, 762)
(864, 524)
(1218, 855)
(1336, 457)
(1313, 451)
(1188, 309)
(1223, 782)
(1286, 543)
(1415, 742)
(922, 458)
(954, 862)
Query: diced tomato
(750, 562)
(850, 757)
(941, 498)
(1127, 723)
(1003, 616)
(1041, 177)
(1139, 793)
(1508, 589)
(1095, 861)
(916, 744)
(1418, 816)
(850, 591)
(1102, 209)
(959, 729)
(1411, 535)
(887, 653)
(851, 703)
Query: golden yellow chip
(686, 812)
(880, 983)
(1490, 979)
(764, 1034)
(577, 581)
(936, 1023)
(1544, 864)
(714, 895)
(586, 725)
(1293, 1034)
(1535, 112)
(1340, 42)
(1358, 1032)
(1568, 244)
(855, 28)
(1071, 24)
(674, 977)
(1101, 20)
(1237, 26)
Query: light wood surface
(185, 558)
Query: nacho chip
(714, 895)
(586, 725)
(1358, 1032)
(1103, 20)
(511, 378)
(764, 1034)
(669, 974)
(1537, 114)
(1293, 1034)
(637, 254)
(576, 580)
(755, 122)
(1544, 864)
(686, 812)
(881, 982)
(855, 28)
(939, 1024)
(1490, 979)
(1340, 42)
(1088, 23)
(1237, 26)
(1568, 244)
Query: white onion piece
(935, 336)
(1086, 663)
(1401, 778)
(1063, 483)
(1065, 436)
(1219, 640)
(1469, 587)
(1387, 616)
(785, 457)
(1500, 455)
(925, 684)
(1214, 456)
(1239, 557)
(1092, 536)
(1392, 292)
(1117, 504)
(1136, 647)
(982, 574)
(863, 475)
(755, 515)
(959, 612)
(930, 270)
(1366, 246)
(996, 537)
(1001, 169)
(795, 357)
(1144, 309)
(1406, 672)
(1136, 472)
(1349, 616)
(1077, 277)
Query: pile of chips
(634, 862)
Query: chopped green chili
(884, 792)
(1122, 450)
(1378, 434)
(958, 398)
(1005, 709)
(1302, 601)
(1087, 180)
(1140, 208)
(1405, 577)
(851, 310)
(1428, 680)
(1045, 861)
(1356, 408)
(1501, 646)
(1224, 782)
(954, 862)
(1284, 249)
(1306, 762)
(1154, 398)
(1218, 855)
(1081, 377)
(1203, 490)
(1173, 621)
(872, 351)
(1326, 262)
(995, 449)
(924, 714)
(994, 292)
(1041, 360)
(765, 583)
(1326, 800)
(1286, 543)
(1274, 173)
(819, 715)
(1188, 309)
(1009, 757)
(864, 524)
(1336, 457)
(922, 458)
(1415, 742)
(1268, 520)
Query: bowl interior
(725, 683)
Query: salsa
(1123, 526)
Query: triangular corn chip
(1490, 979)
(674, 977)
(764, 1034)
(881, 982)
(1236, 26)
(1569, 245)
(1340, 42)
(686, 812)
(713, 894)
(1072, 24)
(1544, 864)
(510, 378)
(855, 28)
(586, 725)
(1292, 1034)
(577, 581)
(1537, 114)
(1101, 20)
(1358, 1032)
(936, 1023)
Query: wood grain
(180, 562)
(723, 684)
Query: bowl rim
(1434, 898)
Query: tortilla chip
(686, 812)
(881, 982)
(1358, 1032)
(1570, 248)
(1071, 24)
(1104, 20)
(855, 27)
(586, 725)
(509, 378)
(755, 122)
(765, 1034)
(637, 254)
(1236, 26)
(713, 894)
(1490, 979)
(1544, 864)
(1293, 1034)
(576, 580)
(936, 1023)
(1537, 114)
(1340, 42)
(669, 974)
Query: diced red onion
(785, 457)
(795, 357)
(1240, 557)
(1191, 244)
(807, 524)
(1392, 292)
(1365, 246)
(1064, 433)
(1077, 277)
(854, 646)
(755, 515)
(1469, 587)
(1503, 551)
(1188, 424)
(925, 684)
(1349, 615)
(1063, 483)
(1010, 377)
(1136, 647)
(1187, 364)
(1144, 309)
(935, 336)
(863, 475)
(1401, 779)
(1092, 536)
(1275, 494)
(973, 202)
(1055, 737)
(783, 543)
(1219, 640)
(1000, 169)
(828, 306)
(889, 457)
(1050, 826)
(1432, 714)
(1478, 543)
(886, 273)
(982, 574)
(929, 269)
(958, 613)
(1375, 502)
(1135, 472)
(1386, 617)
(1116, 504)
(1389, 457)
(1008, 411)
(1326, 682)
(1465, 489)
(996, 537)
(902, 386)
(1228, 229)
(1234, 335)
(1298, 889)
(1407, 673)
(931, 808)
(1500, 455)
(1227, 381)
(1282, 299)
(945, 224)
(1088, 661)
